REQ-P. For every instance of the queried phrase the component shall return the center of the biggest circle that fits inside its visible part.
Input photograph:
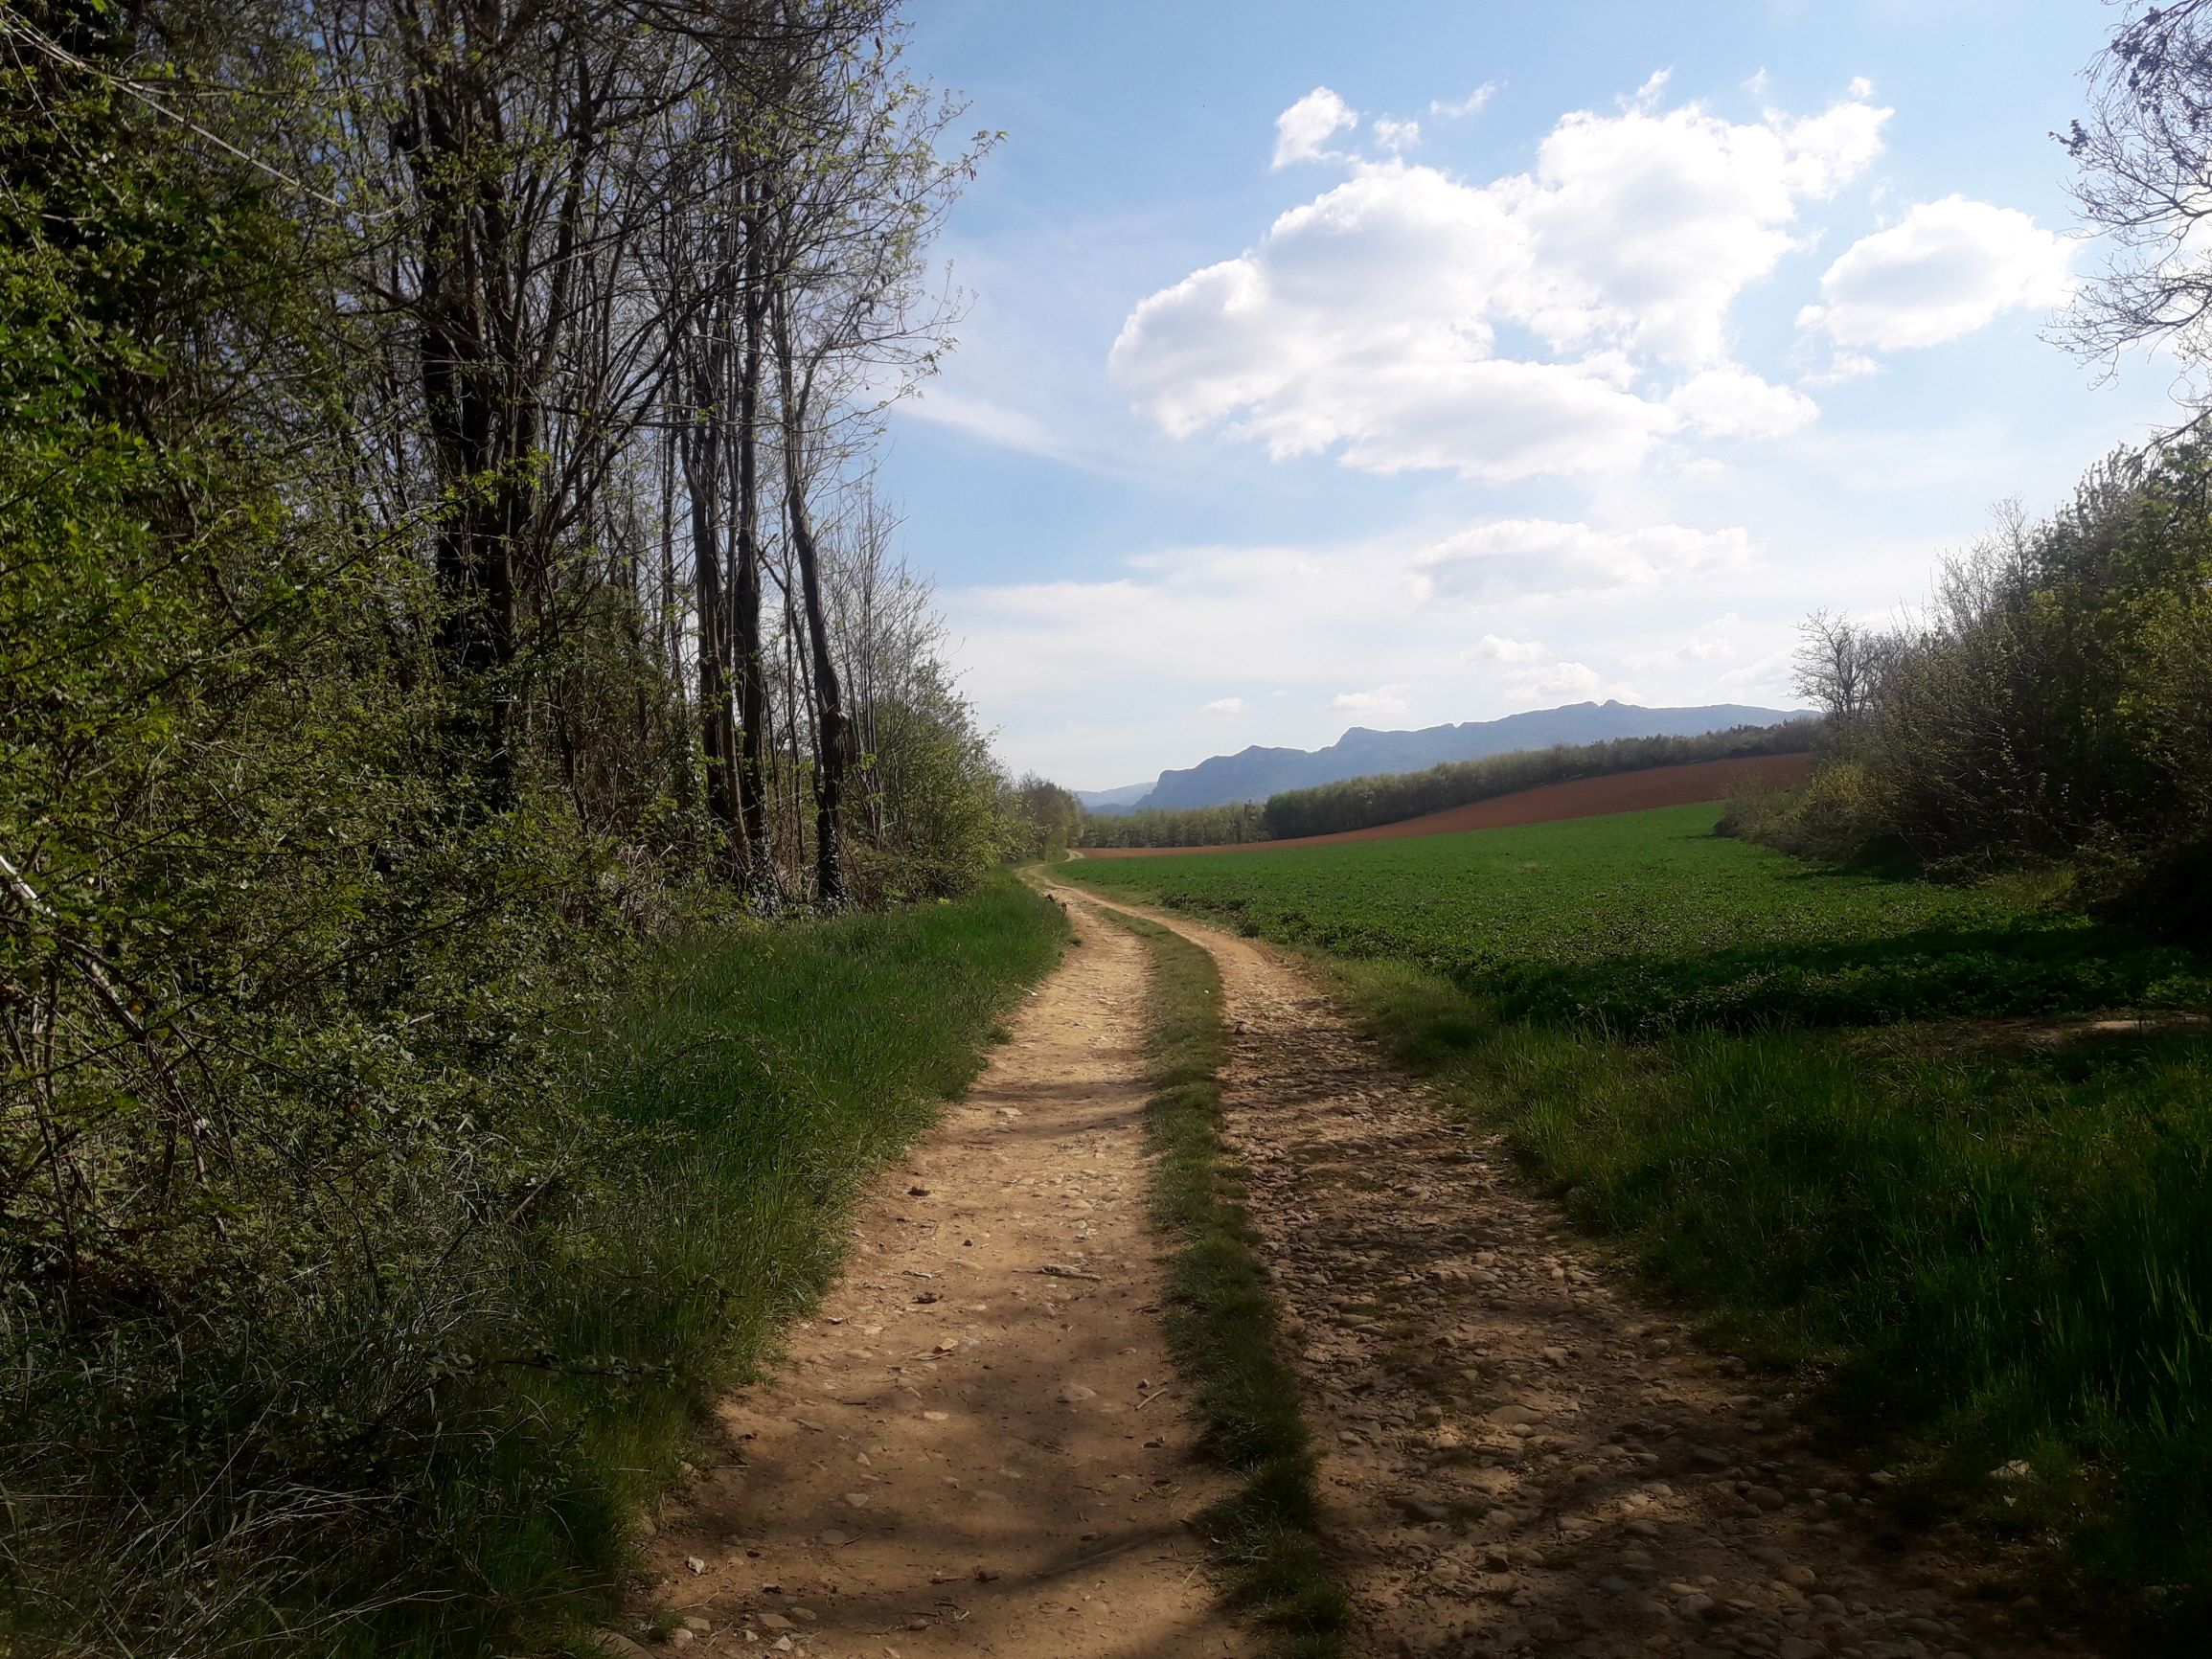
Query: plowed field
(1582, 798)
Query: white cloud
(1567, 320)
(1224, 706)
(1513, 614)
(1497, 648)
(1381, 700)
(1946, 269)
(1735, 403)
(1843, 367)
(1453, 108)
(1303, 131)
(1540, 554)
(1566, 682)
(1712, 643)
(1397, 135)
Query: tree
(2144, 151)
(1840, 666)
(855, 192)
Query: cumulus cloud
(1381, 700)
(1735, 403)
(1303, 131)
(1497, 648)
(1946, 269)
(1224, 706)
(1397, 135)
(1564, 319)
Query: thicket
(435, 551)
(2053, 705)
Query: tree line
(438, 547)
(2048, 705)
(1391, 798)
(2051, 702)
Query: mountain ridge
(1257, 772)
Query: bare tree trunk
(832, 740)
(703, 447)
(745, 584)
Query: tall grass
(543, 1383)
(2000, 1244)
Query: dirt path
(1516, 1456)
(961, 1454)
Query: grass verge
(1221, 1321)
(745, 1091)
(1995, 1245)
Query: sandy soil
(1518, 1456)
(1584, 798)
(962, 1453)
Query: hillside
(1256, 773)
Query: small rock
(1803, 1577)
(1425, 1508)
(619, 1647)
(1076, 1393)
(834, 1539)
(1696, 1605)
(681, 1638)
(698, 1625)
(936, 1416)
(1797, 1648)
(1766, 1497)
(856, 1500)
(696, 1565)
(776, 1622)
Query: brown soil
(1582, 798)
(965, 1452)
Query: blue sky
(1390, 365)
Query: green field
(1647, 921)
(1858, 1121)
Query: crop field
(1861, 1122)
(1647, 921)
